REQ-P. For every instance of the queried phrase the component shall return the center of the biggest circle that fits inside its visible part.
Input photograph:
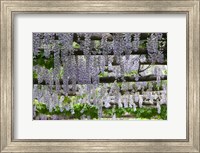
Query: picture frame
(10, 8)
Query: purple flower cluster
(154, 54)
(136, 42)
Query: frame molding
(10, 7)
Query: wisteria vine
(100, 71)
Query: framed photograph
(99, 76)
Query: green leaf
(105, 74)
(75, 45)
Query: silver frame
(8, 10)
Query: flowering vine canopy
(99, 76)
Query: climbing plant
(99, 76)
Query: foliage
(42, 61)
(92, 111)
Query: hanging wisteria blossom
(99, 76)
